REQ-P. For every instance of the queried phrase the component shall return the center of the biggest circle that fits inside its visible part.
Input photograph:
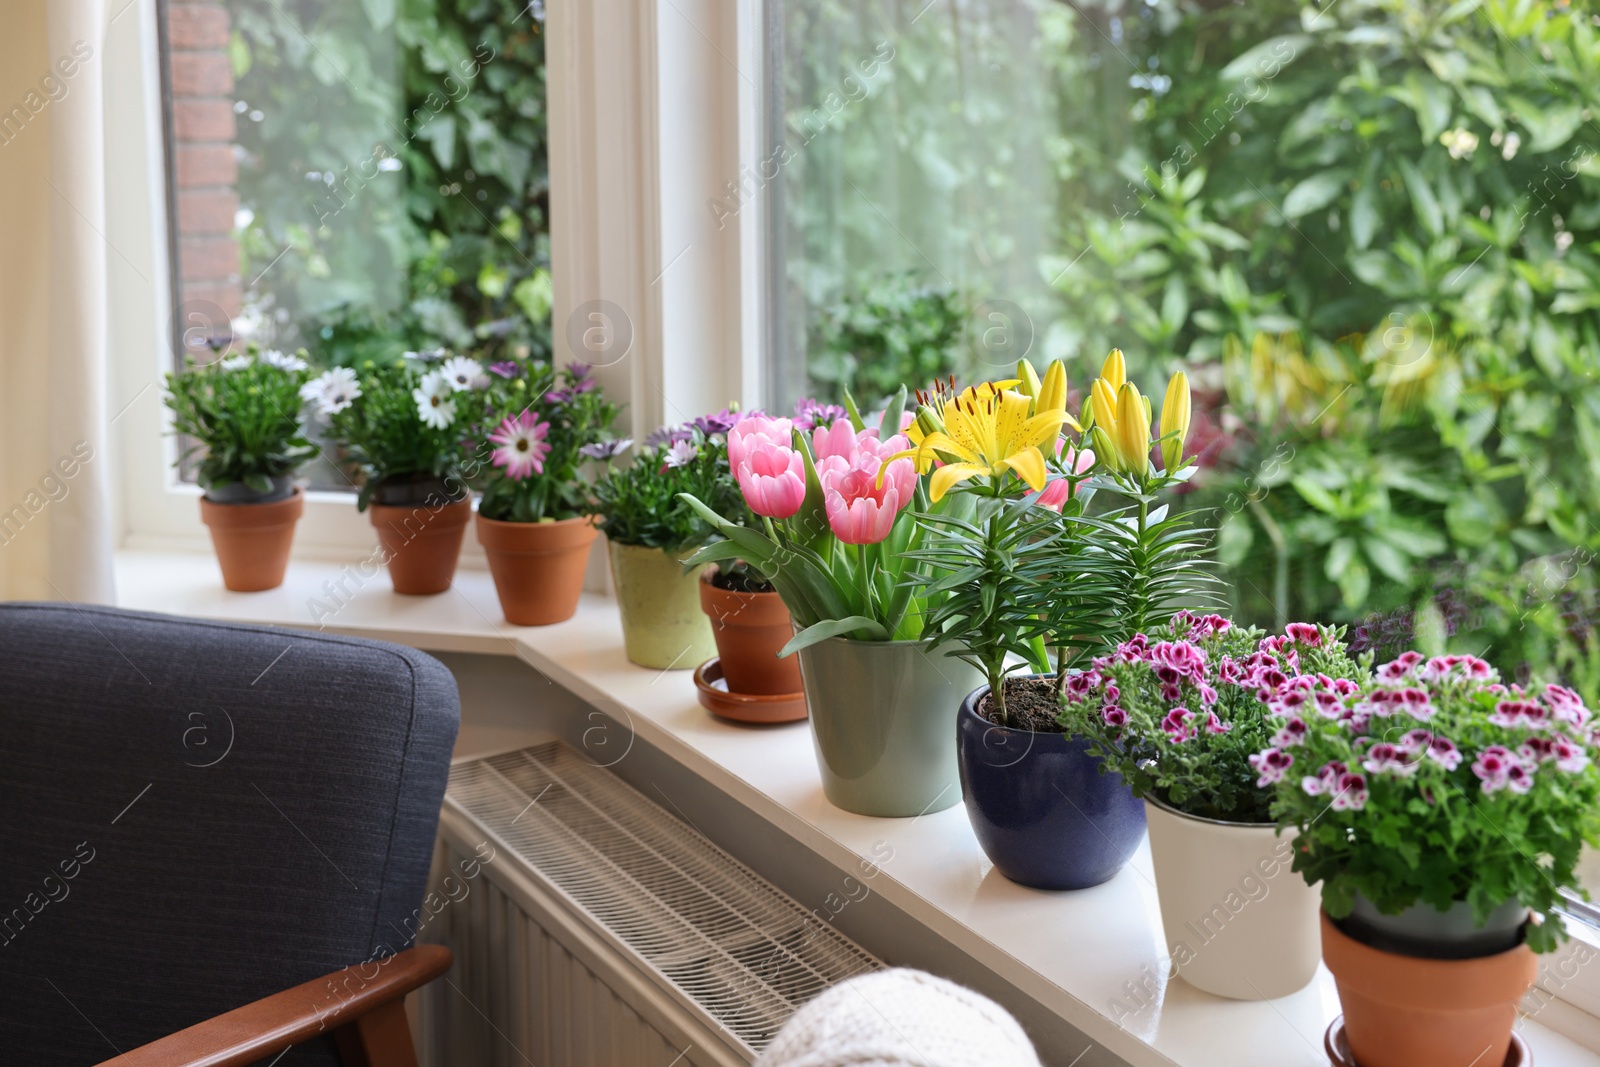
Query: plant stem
(1138, 596)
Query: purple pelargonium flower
(1352, 794)
(1303, 633)
(1271, 764)
(506, 369)
(1179, 725)
(606, 449)
(1113, 716)
(1493, 767)
(1384, 757)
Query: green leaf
(1267, 59)
(534, 295)
(1363, 215)
(855, 624)
(1423, 200)
(1317, 191)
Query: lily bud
(1103, 397)
(1104, 449)
(1027, 380)
(927, 421)
(1053, 392)
(1086, 414)
(1132, 432)
(1175, 413)
(1115, 371)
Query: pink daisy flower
(520, 445)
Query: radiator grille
(737, 947)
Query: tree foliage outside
(393, 175)
(1370, 232)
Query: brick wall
(203, 131)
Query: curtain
(56, 458)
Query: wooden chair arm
(270, 1025)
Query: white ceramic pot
(1239, 922)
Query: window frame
(650, 112)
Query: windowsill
(1077, 953)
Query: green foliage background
(394, 156)
(1369, 230)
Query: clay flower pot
(538, 567)
(252, 540)
(420, 543)
(1402, 1011)
(1238, 921)
(662, 624)
(750, 630)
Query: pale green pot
(883, 719)
(662, 623)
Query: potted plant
(1022, 579)
(651, 530)
(401, 422)
(1182, 713)
(749, 620)
(535, 518)
(243, 413)
(1442, 811)
(835, 536)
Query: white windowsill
(1075, 951)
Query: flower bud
(1114, 370)
(1175, 413)
(1027, 380)
(1132, 431)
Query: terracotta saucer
(1337, 1047)
(742, 707)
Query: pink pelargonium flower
(772, 479)
(754, 429)
(860, 510)
(520, 445)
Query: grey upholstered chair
(195, 816)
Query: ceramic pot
(662, 624)
(538, 567)
(1239, 923)
(252, 540)
(880, 718)
(1039, 805)
(750, 630)
(1402, 1011)
(421, 543)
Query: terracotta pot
(420, 544)
(1402, 1011)
(538, 567)
(1239, 922)
(252, 540)
(751, 629)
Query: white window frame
(654, 105)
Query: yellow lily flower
(1175, 414)
(989, 429)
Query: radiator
(594, 929)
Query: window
(358, 178)
(1368, 231)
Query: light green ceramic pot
(883, 721)
(662, 623)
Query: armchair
(215, 840)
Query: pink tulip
(839, 440)
(757, 428)
(1059, 490)
(860, 511)
(773, 479)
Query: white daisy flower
(461, 372)
(434, 406)
(236, 362)
(273, 358)
(333, 391)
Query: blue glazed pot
(1042, 810)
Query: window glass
(359, 178)
(1369, 230)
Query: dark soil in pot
(1030, 705)
(240, 493)
(739, 581)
